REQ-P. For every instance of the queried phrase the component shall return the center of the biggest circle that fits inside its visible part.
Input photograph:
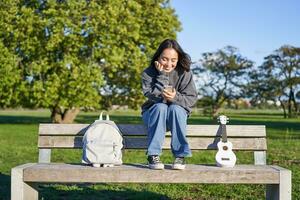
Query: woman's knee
(177, 109)
(160, 107)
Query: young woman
(170, 90)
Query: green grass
(18, 145)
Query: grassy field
(18, 145)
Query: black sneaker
(154, 162)
(179, 163)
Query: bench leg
(283, 190)
(19, 189)
(44, 155)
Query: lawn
(18, 145)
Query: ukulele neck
(224, 133)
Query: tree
(262, 88)
(278, 79)
(57, 71)
(10, 76)
(140, 26)
(221, 76)
(72, 53)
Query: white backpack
(102, 144)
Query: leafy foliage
(278, 79)
(221, 76)
(72, 53)
(11, 79)
(133, 35)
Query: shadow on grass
(5, 119)
(90, 191)
(120, 119)
(280, 124)
(270, 114)
(284, 129)
(4, 186)
(8, 119)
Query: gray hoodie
(153, 82)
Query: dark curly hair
(184, 60)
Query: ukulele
(225, 156)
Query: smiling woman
(167, 61)
(171, 92)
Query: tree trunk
(229, 103)
(64, 116)
(216, 107)
(215, 111)
(295, 104)
(290, 104)
(56, 115)
(236, 105)
(283, 107)
(70, 115)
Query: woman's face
(168, 58)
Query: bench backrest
(200, 137)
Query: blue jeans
(161, 117)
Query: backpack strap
(101, 114)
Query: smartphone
(169, 88)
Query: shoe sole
(102, 165)
(157, 167)
(178, 167)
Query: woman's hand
(169, 94)
(158, 66)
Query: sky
(255, 27)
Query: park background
(64, 61)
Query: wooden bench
(25, 178)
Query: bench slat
(139, 130)
(141, 142)
(138, 173)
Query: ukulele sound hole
(225, 148)
(225, 158)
